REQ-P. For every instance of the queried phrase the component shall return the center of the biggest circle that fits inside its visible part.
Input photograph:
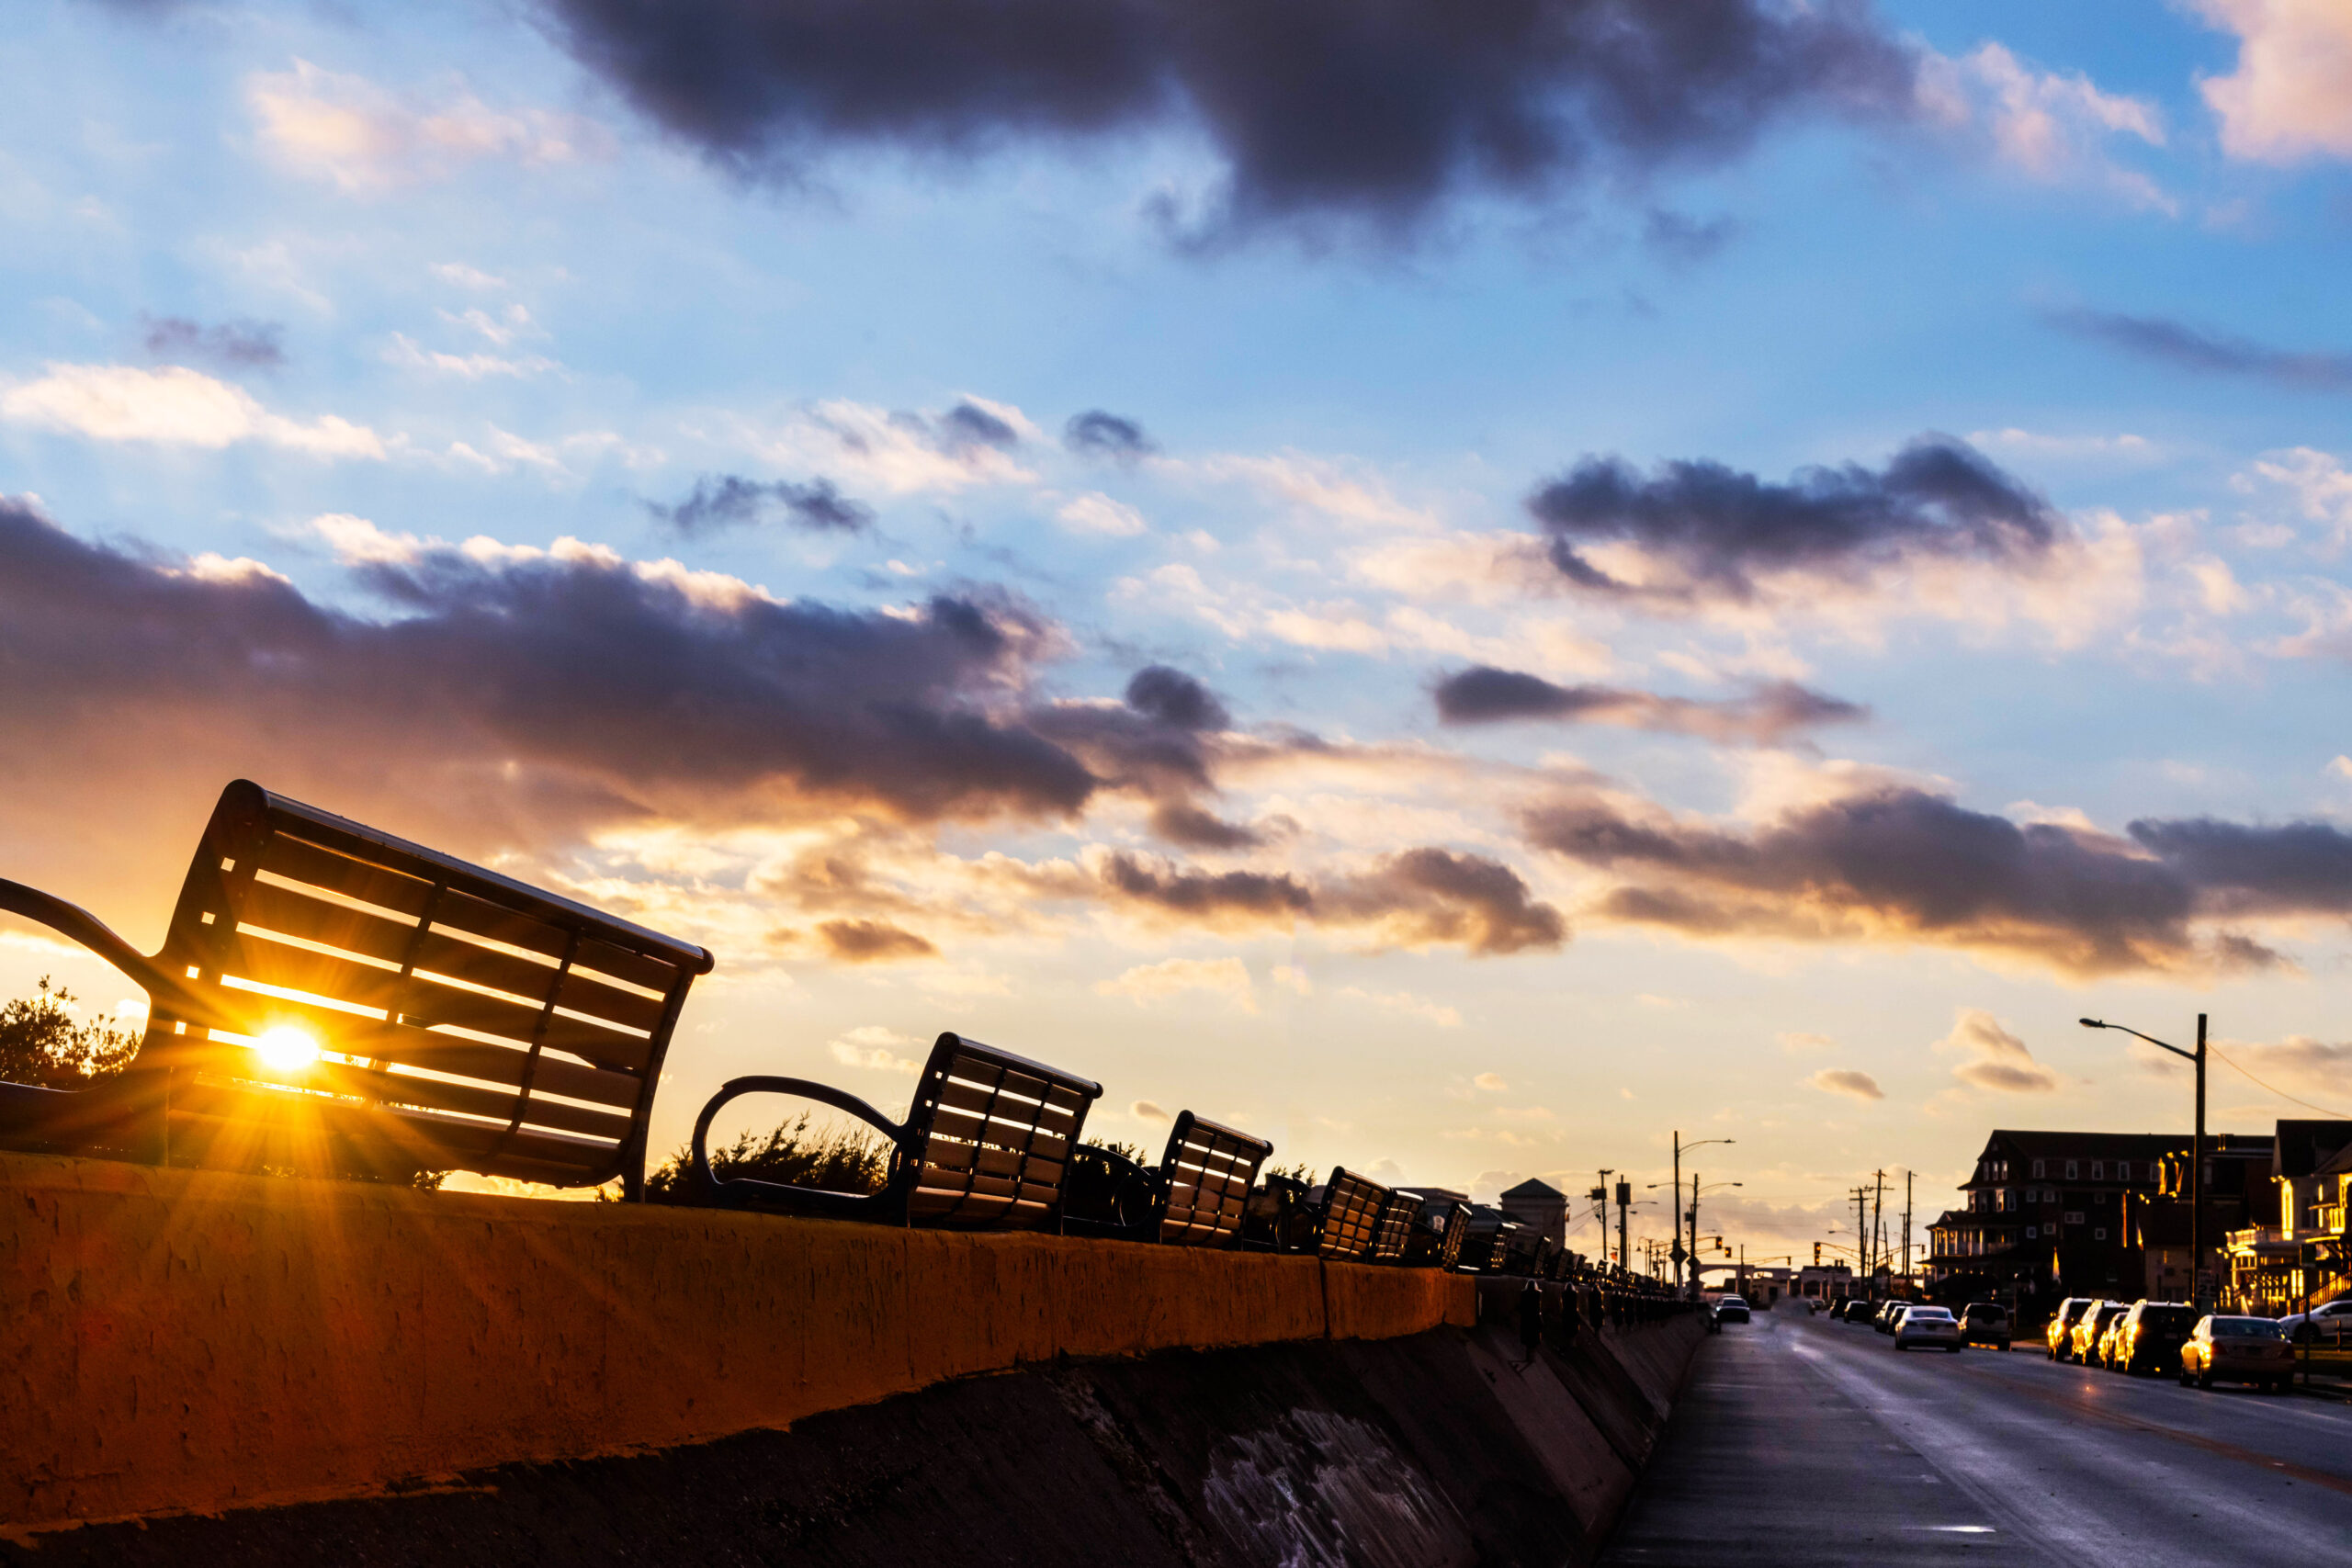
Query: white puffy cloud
(2290, 95)
(173, 406)
(1996, 1059)
(2051, 125)
(366, 138)
(1095, 513)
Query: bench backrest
(1486, 1243)
(459, 1020)
(1351, 1210)
(1457, 1231)
(1393, 1231)
(1207, 1171)
(989, 1140)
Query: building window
(2123, 1170)
(2074, 1216)
(2039, 1172)
(2099, 1234)
(2071, 1173)
(2098, 1171)
(2032, 1233)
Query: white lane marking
(1956, 1529)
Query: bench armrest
(85, 929)
(804, 1088)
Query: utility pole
(1625, 1208)
(2196, 1187)
(1878, 1224)
(1599, 1196)
(1906, 1224)
(1862, 1233)
(1677, 1204)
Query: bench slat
(314, 919)
(299, 862)
(437, 1094)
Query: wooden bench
(1198, 1195)
(1392, 1236)
(986, 1144)
(332, 999)
(1278, 1218)
(1349, 1222)
(1439, 1226)
(1485, 1245)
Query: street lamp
(2196, 1152)
(1678, 1146)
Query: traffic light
(1816, 1255)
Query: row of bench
(331, 998)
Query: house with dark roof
(2303, 1248)
(2043, 1218)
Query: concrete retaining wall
(193, 1341)
(1447, 1448)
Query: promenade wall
(189, 1342)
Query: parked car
(2060, 1332)
(1731, 1309)
(1985, 1323)
(1851, 1309)
(2103, 1353)
(2082, 1348)
(2150, 1336)
(2238, 1349)
(1887, 1314)
(2329, 1324)
(1925, 1326)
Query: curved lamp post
(2196, 1152)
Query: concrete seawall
(316, 1363)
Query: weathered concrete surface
(192, 1340)
(1440, 1449)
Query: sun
(285, 1050)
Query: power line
(2281, 1093)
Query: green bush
(840, 1159)
(40, 1043)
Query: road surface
(1802, 1441)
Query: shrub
(839, 1159)
(40, 1043)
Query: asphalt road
(1801, 1441)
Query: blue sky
(305, 297)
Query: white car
(2331, 1324)
(1927, 1327)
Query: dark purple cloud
(571, 687)
(2191, 348)
(1718, 528)
(729, 500)
(1095, 434)
(1416, 897)
(240, 344)
(1373, 110)
(1766, 716)
(1904, 864)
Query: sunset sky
(1461, 586)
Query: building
(2299, 1248)
(1831, 1283)
(1542, 1208)
(2238, 1193)
(2043, 1218)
